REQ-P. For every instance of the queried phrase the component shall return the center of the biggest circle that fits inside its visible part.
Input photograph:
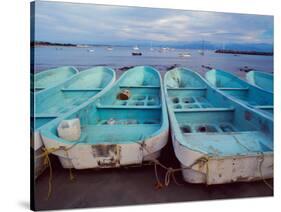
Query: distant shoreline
(244, 52)
(221, 51)
(45, 43)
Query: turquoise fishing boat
(58, 100)
(216, 138)
(260, 79)
(126, 125)
(242, 91)
(51, 77)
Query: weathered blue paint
(261, 79)
(57, 100)
(242, 91)
(108, 120)
(206, 120)
(51, 77)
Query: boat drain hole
(188, 100)
(185, 129)
(206, 128)
(175, 100)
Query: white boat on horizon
(136, 48)
(82, 46)
(184, 54)
(136, 51)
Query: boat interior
(208, 121)
(136, 116)
(235, 87)
(58, 100)
(52, 77)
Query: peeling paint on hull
(86, 157)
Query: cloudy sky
(96, 24)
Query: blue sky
(97, 24)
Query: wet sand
(131, 186)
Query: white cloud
(108, 23)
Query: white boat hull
(219, 170)
(37, 148)
(86, 156)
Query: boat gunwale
(250, 79)
(216, 109)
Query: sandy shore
(131, 186)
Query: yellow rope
(170, 172)
(260, 163)
(71, 176)
(47, 162)
(158, 184)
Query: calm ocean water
(82, 58)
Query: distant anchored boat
(82, 46)
(184, 54)
(136, 51)
(91, 50)
(164, 49)
(246, 69)
(136, 48)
